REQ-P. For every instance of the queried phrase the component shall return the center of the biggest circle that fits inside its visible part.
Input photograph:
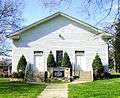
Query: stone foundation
(39, 76)
(83, 76)
(86, 76)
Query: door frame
(78, 53)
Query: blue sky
(34, 11)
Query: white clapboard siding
(64, 34)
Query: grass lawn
(97, 89)
(19, 89)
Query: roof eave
(99, 31)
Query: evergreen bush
(98, 69)
(21, 66)
(29, 73)
(51, 60)
(66, 61)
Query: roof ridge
(52, 16)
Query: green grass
(57, 81)
(19, 89)
(97, 89)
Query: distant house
(61, 33)
(5, 66)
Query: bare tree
(91, 7)
(10, 20)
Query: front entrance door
(59, 57)
(79, 62)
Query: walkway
(55, 91)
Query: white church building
(60, 33)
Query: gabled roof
(98, 31)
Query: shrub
(22, 65)
(66, 61)
(51, 60)
(1, 75)
(46, 76)
(29, 73)
(4, 75)
(107, 75)
(21, 75)
(98, 68)
(14, 75)
(10, 76)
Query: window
(59, 57)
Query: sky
(34, 10)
